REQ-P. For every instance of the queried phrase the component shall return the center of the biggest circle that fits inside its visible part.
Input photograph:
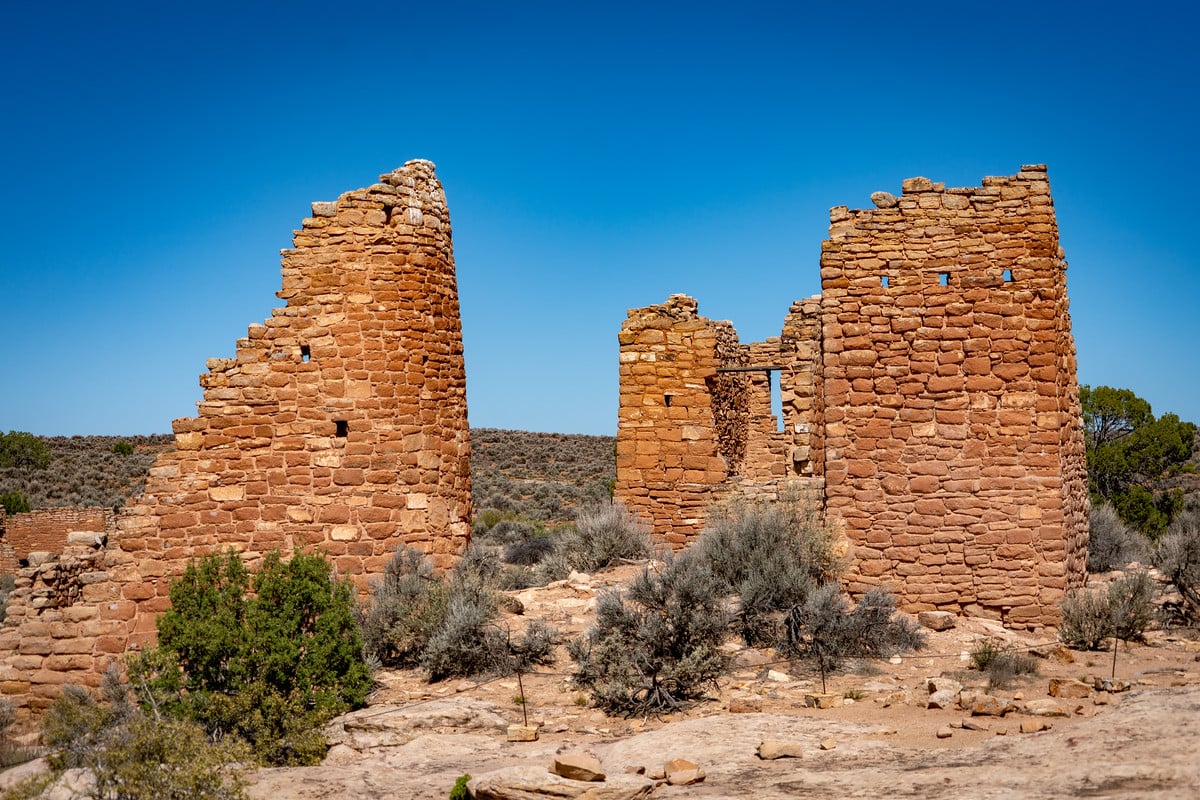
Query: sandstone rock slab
(533, 783)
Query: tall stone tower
(340, 426)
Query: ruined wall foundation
(932, 385)
(339, 426)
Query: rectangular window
(944, 278)
(305, 353)
(342, 428)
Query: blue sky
(155, 158)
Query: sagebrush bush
(445, 626)
(1178, 557)
(137, 756)
(603, 535)
(269, 666)
(656, 646)
(771, 555)
(825, 629)
(1111, 543)
(1000, 662)
(1123, 611)
(14, 503)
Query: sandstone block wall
(954, 453)
(340, 425)
(932, 385)
(696, 423)
(44, 530)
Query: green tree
(20, 449)
(14, 502)
(1131, 455)
(269, 666)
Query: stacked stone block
(340, 425)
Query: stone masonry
(932, 385)
(340, 426)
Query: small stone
(943, 684)
(1034, 725)
(986, 705)
(1069, 688)
(1100, 699)
(681, 772)
(578, 767)
(821, 700)
(975, 725)
(522, 733)
(324, 209)
(910, 185)
(745, 704)
(1045, 707)
(942, 699)
(828, 743)
(778, 677)
(944, 732)
(901, 698)
(936, 620)
(771, 749)
(884, 199)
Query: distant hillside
(539, 475)
(84, 471)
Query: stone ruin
(339, 426)
(928, 400)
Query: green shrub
(654, 647)
(270, 667)
(137, 756)
(1178, 556)
(771, 555)
(14, 502)
(20, 449)
(825, 629)
(460, 790)
(122, 448)
(1111, 543)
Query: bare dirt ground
(416, 738)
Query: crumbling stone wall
(44, 530)
(695, 418)
(933, 386)
(340, 426)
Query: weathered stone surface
(944, 732)
(943, 684)
(745, 704)
(682, 772)
(936, 620)
(986, 705)
(943, 698)
(532, 783)
(578, 767)
(390, 726)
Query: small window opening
(342, 428)
(944, 278)
(305, 353)
(776, 399)
(387, 214)
(667, 400)
(883, 281)
(1008, 276)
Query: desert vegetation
(50, 471)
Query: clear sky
(596, 157)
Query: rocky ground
(881, 739)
